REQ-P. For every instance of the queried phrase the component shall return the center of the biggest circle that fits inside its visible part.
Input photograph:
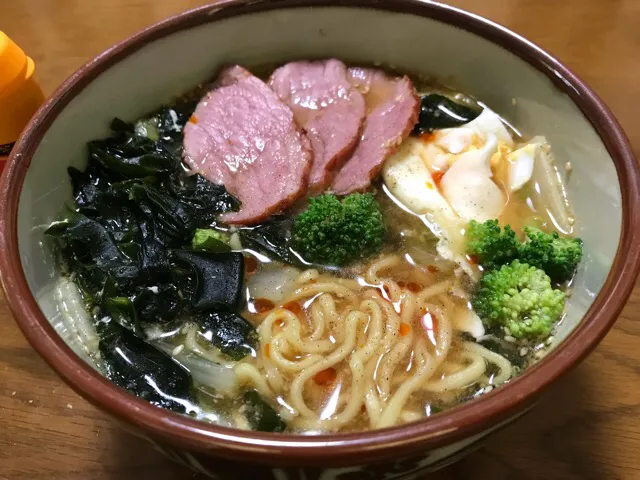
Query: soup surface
(322, 249)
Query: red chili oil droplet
(323, 377)
(432, 269)
(413, 287)
(405, 329)
(250, 265)
(262, 305)
(193, 119)
(426, 137)
(293, 307)
(437, 177)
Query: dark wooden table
(588, 427)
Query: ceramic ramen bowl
(517, 79)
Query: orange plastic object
(20, 95)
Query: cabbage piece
(220, 378)
(210, 240)
(272, 281)
(75, 316)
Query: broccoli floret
(519, 297)
(210, 240)
(334, 232)
(556, 255)
(490, 246)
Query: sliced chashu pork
(392, 107)
(241, 135)
(328, 107)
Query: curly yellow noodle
(504, 365)
(426, 367)
(248, 373)
(318, 323)
(369, 333)
(286, 365)
(325, 287)
(212, 354)
(297, 386)
(372, 274)
(332, 318)
(372, 400)
(395, 350)
(461, 379)
(307, 276)
(293, 332)
(357, 366)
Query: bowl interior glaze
(154, 67)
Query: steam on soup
(324, 251)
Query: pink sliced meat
(241, 135)
(393, 107)
(328, 107)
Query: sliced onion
(548, 192)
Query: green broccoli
(210, 240)
(488, 245)
(334, 232)
(556, 255)
(520, 298)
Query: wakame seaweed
(143, 370)
(230, 332)
(127, 244)
(218, 278)
(261, 416)
(438, 111)
(273, 239)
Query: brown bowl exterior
(402, 449)
(405, 467)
